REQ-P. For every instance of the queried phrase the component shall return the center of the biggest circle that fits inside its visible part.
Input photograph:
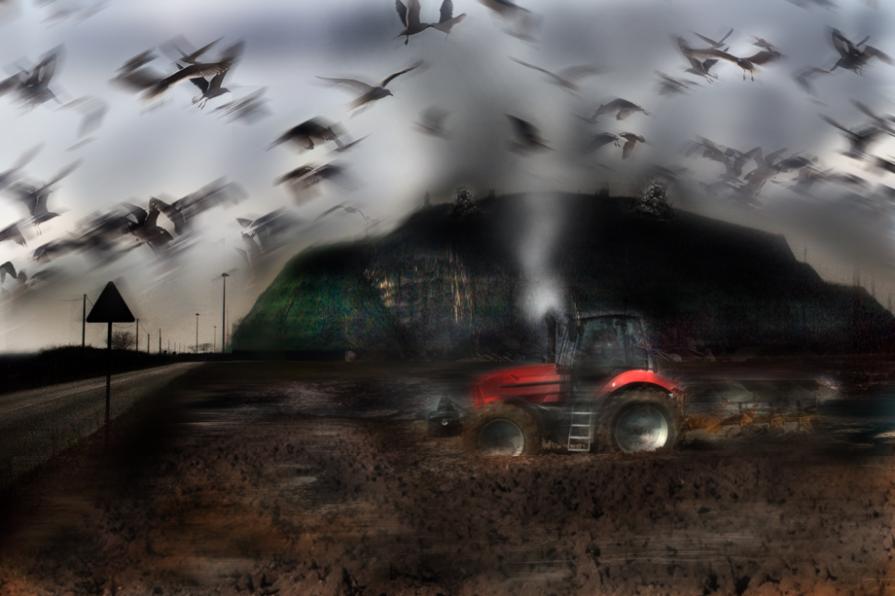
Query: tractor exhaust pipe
(550, 320)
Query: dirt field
(299, 479)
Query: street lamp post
(224, 276)
(197, 333)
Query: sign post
(109, 308)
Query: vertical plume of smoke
(543, 289)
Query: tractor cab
(592, 348)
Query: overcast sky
(171, 147)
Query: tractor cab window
(611, 342)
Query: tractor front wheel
(503, 430)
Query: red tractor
(602, 389)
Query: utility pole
(84, 321)
(159, 340)
(137, 337)
(224, 277)
(197, 333)
(214, 339)
(147, 343)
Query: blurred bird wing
(402, 12)
(708, 40)
(876, 53)
(26, 157)
(62, 174)
(533, 67)
(726, 35)
(579, 71)
(523, 128)
(835, 124)
(10, 83)
(358, 86)
(330, 210)
(46, 68)
(446, 12)
(152, 218)
(715, 53)
(841, 42)
(603, 138)
(7, 268)
(232, 52)
(445, 25)
(141, 78)
(193, 56)
(395, 75)
(138, 212)
(413, 13)
(201, 83)
(863, 108)
(217, 80)
(763, 57)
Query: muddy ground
(282, 478)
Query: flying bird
(698, 67)
(310, 133)
(250, 108)
(858, 140)
(882, 122)
(671, 86)
(370, 93)
(34, 196)
(228, 59)
(14, 233)
(621, 107)
(567, 78)
(304, 180)
(32, 85)
(431, 122)
(601, 139)
(854, 57)
(8, 269)
(410, 18)
(631, 141)
(143, 225)
(747, 63)
(527, 136)
(804, 78)
(524, 23)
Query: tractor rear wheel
(638, 421)
(503, 430)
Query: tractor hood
(538, 383)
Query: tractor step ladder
(581, 430)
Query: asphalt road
(38, 423)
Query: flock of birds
(165, 225)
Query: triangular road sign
(110, 307)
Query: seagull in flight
(528, 137)
(198, 69)
(410, 17)
(622, 108)
(567, 78)
(747, 63)
(370, 93)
